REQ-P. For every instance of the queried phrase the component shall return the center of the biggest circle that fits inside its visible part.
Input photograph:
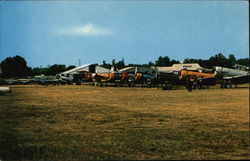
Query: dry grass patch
(85, 122)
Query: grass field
(91, 123)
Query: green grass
(94, 123)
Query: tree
(219, 60)
(55, 69)
(39, 71)
(113, 62)
(120, 64)
(163, 61)
(244, 61)
(150, 64)
(105, 65)
(232, 59)
(203, 63)
(15, 67)
(187, 60)
(174, 62)
(70, 67)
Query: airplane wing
(238, 79)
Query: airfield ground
(86, 122)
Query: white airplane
(230, 76)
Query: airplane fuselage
(221, 72)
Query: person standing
(201, 82)
(189, 84)
(195, 83)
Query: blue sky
(62, 32)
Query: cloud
(87, 30)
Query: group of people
(192, 82)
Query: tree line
(16, 67)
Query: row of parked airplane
(166, 77)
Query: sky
(64, 32)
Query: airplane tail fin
(112, 69)
(136, 69)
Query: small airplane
(84, 73)
(129, 76)
(202, 79)
(139, 75)
(111, 77)
(228, 76)
(82, 76)
(170, 76)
